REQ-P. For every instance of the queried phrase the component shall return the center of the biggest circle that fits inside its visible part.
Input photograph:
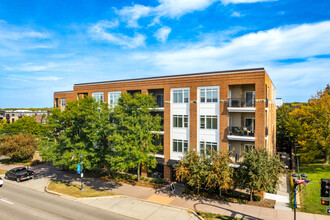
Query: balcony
(241, 134)
(158, 94)
(241, 105)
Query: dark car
(19, 173)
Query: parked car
(19, 173)
(1, 182)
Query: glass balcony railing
(241, 131)
(233, 102)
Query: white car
(1, 182)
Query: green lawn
(311, 194)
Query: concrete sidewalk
(166, 197)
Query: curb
(119, 196)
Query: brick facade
(256, 77)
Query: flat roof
(64, 91)
(173, 76)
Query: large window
(113, 98)
(98, 96)
(180, 146)
(180, 96)
(209, 95)
(208, 147)
(209, 122)
(180, 121)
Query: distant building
(278, 102)
(13, 115)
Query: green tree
(310, 125)
(210, 171)
(284, 141)
(193, 169)
(18, 146)
(219, 174)
(259, 170)
(25, 125)
(133, 140)
(82, 128)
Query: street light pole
(82, 174)
(294, 178)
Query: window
(209, 122)
(98, 96)
(208, 147)
(209, 95)
(181, 96)
(180, 121)
(248, 147)
(113, 98)
(179, 145)
(250, 99)
(249, 124)
(63, 103)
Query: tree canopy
(310, 125)
(259, 170)
(135, 129)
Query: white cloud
(171, 9)
(99, 32)
(236, 14)
(244, 1)
(132, 14)
(162, 34)
(289, 42)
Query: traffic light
(325, 184)
(325, 201)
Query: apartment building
(224, 110)
(13, 115)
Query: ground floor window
(180, 146)
(248, 147)
(208, 147)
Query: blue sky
(47, 46)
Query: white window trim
(112, 93)
(205, 90)
(180, 89)
(183, 142)
(98, 93)
(205, 117)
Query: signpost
(81, 173)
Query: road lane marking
(11, 203)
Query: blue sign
(78, 169)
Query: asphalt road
(22, 203)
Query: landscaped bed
(74, 190)
(212, 216)
(231, 196)
(311, 194)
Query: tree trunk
(138, 172)
(251, 194)
(108, 171)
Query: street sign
(78, 168)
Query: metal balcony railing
(232, 102)
(241, 131)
